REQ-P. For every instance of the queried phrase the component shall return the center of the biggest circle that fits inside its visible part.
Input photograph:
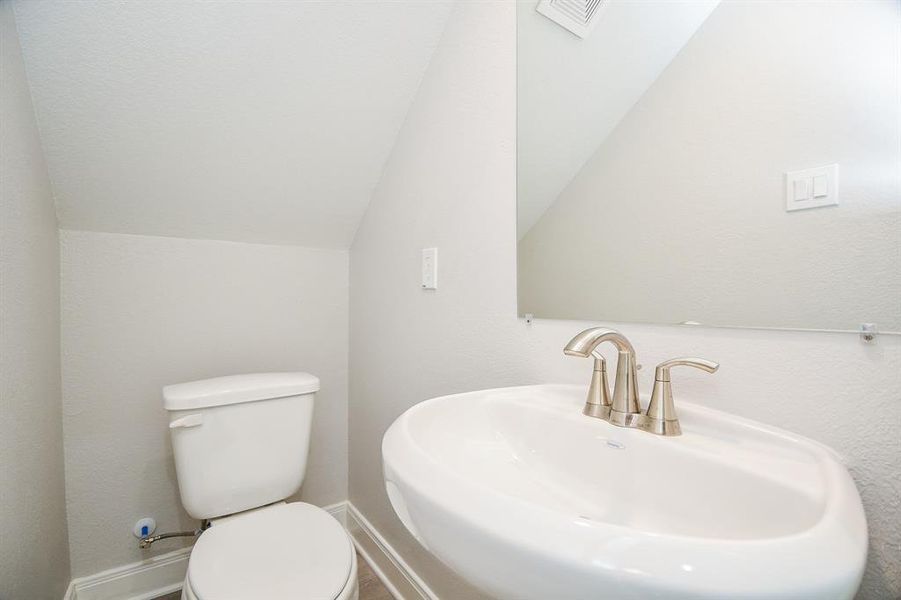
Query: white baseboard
(142, 580)
(339, 511)
(385, 561)
(165, 573)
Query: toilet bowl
(295, 551)
(240, 445)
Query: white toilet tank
(241, 441)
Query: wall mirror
(725, 163)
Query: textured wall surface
(259, 121)
(450, 183)
(34, 560)
(141, 312)
(683, 205)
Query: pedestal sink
(526, 498)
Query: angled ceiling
(572, 92)
(260, 121)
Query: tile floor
(371, 587)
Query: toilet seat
(286, 551)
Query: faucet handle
(661, 373)
(597, 404)
(661, 413)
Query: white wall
(257, 121)
(698, 164)
(34, 560)
(450, 183)
(141, 312)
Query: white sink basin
(525, 497)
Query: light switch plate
(430, 268)
(811, 188)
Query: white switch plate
(811, 188)
(430, 268)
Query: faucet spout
(625, 407)
(583, 344)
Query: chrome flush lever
(661, 413)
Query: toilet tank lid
(235, 389)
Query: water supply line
(146, 542)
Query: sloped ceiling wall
(247, 121)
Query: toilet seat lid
(294, 550)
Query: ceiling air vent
(578, 16)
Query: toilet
(240, 445)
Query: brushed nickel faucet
(661, 415)
(598, 402)
(625, 386)
(625, 408)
